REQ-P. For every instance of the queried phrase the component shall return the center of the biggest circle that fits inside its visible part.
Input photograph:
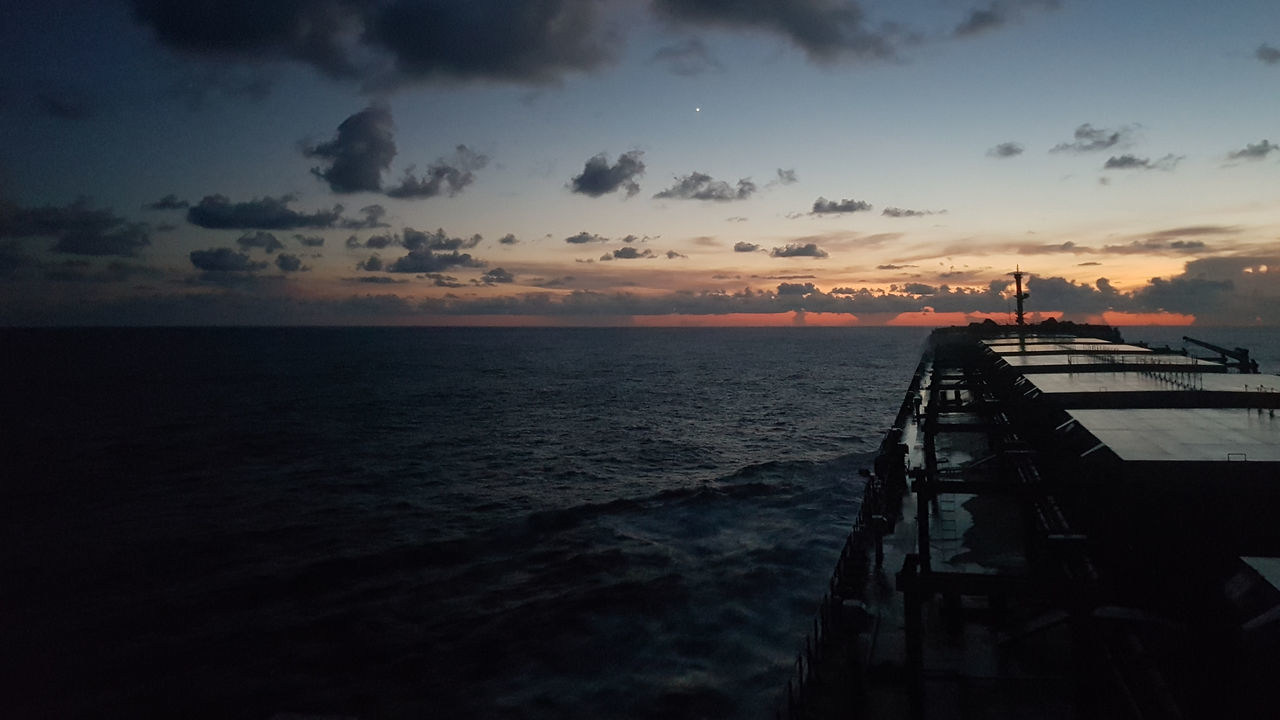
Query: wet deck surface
(1187, 434)
(970, 669)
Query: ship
(1059, 524)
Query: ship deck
(1000, 592)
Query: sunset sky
(650, 162)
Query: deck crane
(1239, 355)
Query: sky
(638, 162)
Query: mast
(1019, 295)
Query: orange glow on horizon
(785, 319)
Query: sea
(432, 522)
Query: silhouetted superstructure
(1060, 525)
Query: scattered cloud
(447, 176)
(700, 186)
(798, 250)
(742, 246)
(309, 240)
(1156, 246)
(217, 212)
(1006, 150)
(423, 260)
(600, 178)
(168, 202)
(631, 253)
(497, 276)
(372, 219)
(224, 260)
(508, 239)
(687, 58)
(1091, 139)
(262, 240)
(78, 228)
(823, 206)
(438, 240)
(362, 150)
(585, 237)
(372, 264)
(903, 213)
(1254, 151)
(1132, 162)
(785, 177)
(1268, 54)
(673, 255)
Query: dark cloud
(372, 264)
(497, 276)
(309, 240)
(1006, 150)
(372, 219)
(742, 246)
(444, 176)
(217, 212)
(823, 206)
(534, 41)
(997, 15)
(377, 242)
(224, 260)
(1132, 162)
(449, 281)
(356, 158)
(308, 32)
(631, 253)
(903, 213)
(800, 289)
(168, 202)
(508, 239)
(687, 58)
(600, 178)
(700, 186)
(79, 229)
(798, 250)
(423, 260)
(261, 239)
(918, 289)
(673, 255)
(825, 29)
(1268, 54)
(438, 240)
(585, 237)
(894, 267)
(289, 263)
(786, 177)
(1091, 139)
(1254, 151)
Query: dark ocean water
(414, 523)
(409, 523)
